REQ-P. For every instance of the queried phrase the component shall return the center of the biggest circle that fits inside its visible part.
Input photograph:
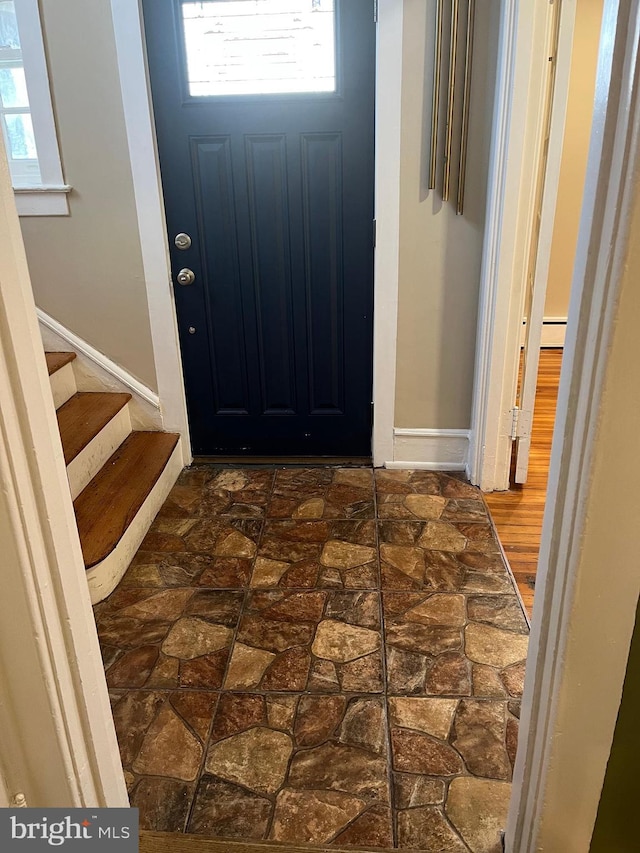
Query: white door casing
(518, 134)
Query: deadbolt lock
(182, 241)
(186, 276)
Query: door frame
(518, 128)
(51, 574)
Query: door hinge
(520, 423)
(375, 11)
(375, 234)
(515, 413)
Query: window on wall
(26, 114)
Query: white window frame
(49, 196)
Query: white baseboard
(430, 449)
(553, 332)
(94, 371)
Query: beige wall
(574, 156)
(86, 269)
(440, 253)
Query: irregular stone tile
(191, 638)
(487, 583)
(312, 508)
(196, 709)
(439, 609)
(501, 611)
(246, 667)
(364, 725)
(511, 739)
(222, 538)
(452, 487)
(442, 536)
(281, 711)
(256, 758)
(236, 713)
(225, 572)
(363, 675)
(493, 646)
(404, 558)
(356, 608)
(321, 493)
(428, 639)
(513, 679)
(289, 671)
(449, 675)
(312, 817)
(216, 606)
(427, 829)
(222, 810)
(129, 780)
(344, 555)
(291, 606)
(371, 829)
(468, 798)
(132, 716)
(425, 506)
(412, 791)
(323, 677)
(486, 682)
(433, 716)
(338, 767)
(465, 510)
(444, 572)
(206, 672)
(414, 752)
(406, 671)
(109, 655)
(479, 737)
(166, 605)
(169, 749)
(317, 718)
(514, 708)
(133, 668)
(267, 573)
(143, 575)
(163, 803)
(361, 478)
(484, 563)
(271, 634)
(341, 643)
(124, 633)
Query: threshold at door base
(343, 461)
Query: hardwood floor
(518, 512)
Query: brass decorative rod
(435, 109)
(453, 44)
(466, 100)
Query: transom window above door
(259, 47)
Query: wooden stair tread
(83, 416)
(110, 502)
(56, 360)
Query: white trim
(80, 346)
(516, 142)
(387, 190)
(554, 330)
(145, 171)
(545, 812)
(430, 449)
(58, 739)
(42, 201)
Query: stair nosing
(71, 357)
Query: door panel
(276, 192)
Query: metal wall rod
(464, 137)
(453, 44)
(435, 109)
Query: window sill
(42, 200)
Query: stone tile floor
(320, 655)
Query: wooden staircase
(118, 479)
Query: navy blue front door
(272, 181)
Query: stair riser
(105, 576)
(89, 461)
(63, 384)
